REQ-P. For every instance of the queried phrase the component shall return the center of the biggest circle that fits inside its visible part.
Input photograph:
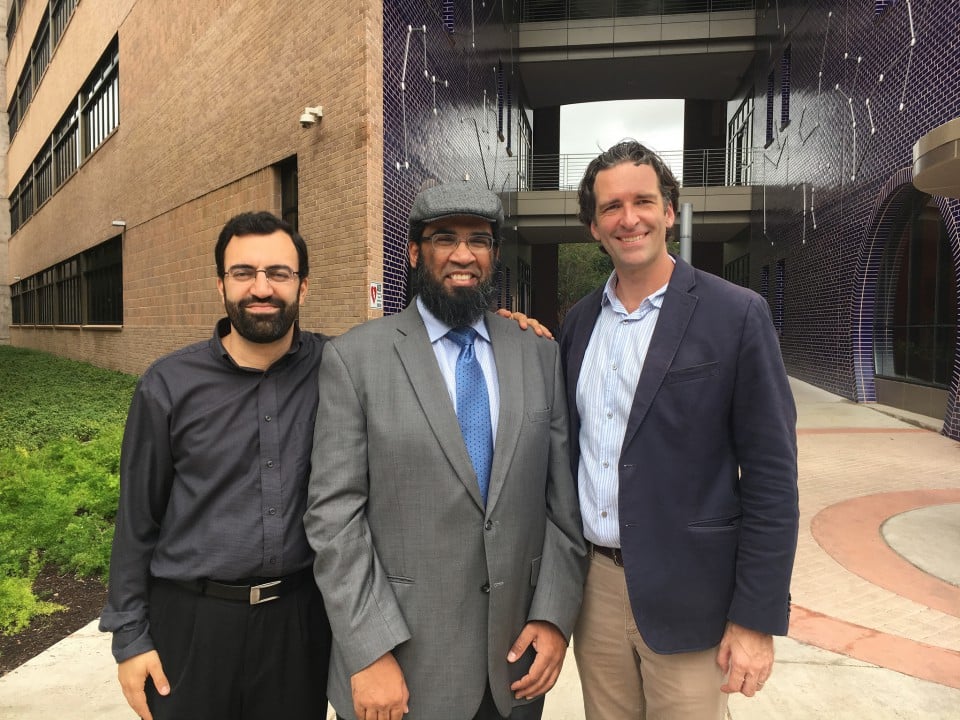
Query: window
(778, 296)
(879, 6)
(739, 144)
(915, 322)
(103, 278)
(91, 118)
(51, 29)
(86, 289)
(738, 271)
(771, 80)
(785, 89)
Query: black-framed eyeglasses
(275, 274)
(447, 242)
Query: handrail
(550, 10)
(710, 167)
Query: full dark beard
(262, 329)
(461, 307)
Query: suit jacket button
(485, 588)
(488, 525)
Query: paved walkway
(875, 628)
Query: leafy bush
(61, 423)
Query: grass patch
(61, 423)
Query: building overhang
(936, 161)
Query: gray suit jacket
(408, 559)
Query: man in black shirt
(212, 606)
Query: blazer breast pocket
(695, 372)
(535, 416)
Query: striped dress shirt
(605, 390)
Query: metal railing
(552, 10)
(710, 167)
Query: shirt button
(269, 463)
(609, 415)
(272, 511)
(272, 561)
(614, 366)
(606, 464)
(268, 418)
(603, 514)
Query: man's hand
(133, 673)
(551, 647)
(746, 657)
(379, 691)
(526, 322)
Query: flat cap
(450, 199)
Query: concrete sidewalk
(875, 628)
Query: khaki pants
(622, 678)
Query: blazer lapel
(678, 306)
(420, 364)
(508, 356)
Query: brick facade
(210, 96)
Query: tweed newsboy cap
(457, 198)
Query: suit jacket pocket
(692, 373)
(731, 522)
(400, 580)
(535, 571)
(538, 415)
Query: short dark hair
(625, 151)
(260, 223)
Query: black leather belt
(253, 592)
(613, 553)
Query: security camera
(311, 116)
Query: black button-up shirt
(213, 476)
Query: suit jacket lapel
(420, 364)
(508, 357)
(678, 306)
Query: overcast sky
(592, 127)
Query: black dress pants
(488, 710)
(229, 660)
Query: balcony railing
(713, 167)
(552, 10)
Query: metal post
(686, 231)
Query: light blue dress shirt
(605, 390)
(447, 352)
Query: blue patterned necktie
(473, 407)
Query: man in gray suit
(441, 505)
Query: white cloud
(592, 127)
(589, 128)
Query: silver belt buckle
(255, 598)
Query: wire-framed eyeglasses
(447, 242)
(275, 274)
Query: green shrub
(18, 605)
(61, 423)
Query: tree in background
(582, 267)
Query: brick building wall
(4, 215)
(862, 87)
(210, 96)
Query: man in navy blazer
(683, 437)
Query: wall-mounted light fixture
(119, 223)
(311, 116)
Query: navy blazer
(708, 468)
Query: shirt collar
(224, 328)
(610, 299)
(436, 328)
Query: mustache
(276, 302)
